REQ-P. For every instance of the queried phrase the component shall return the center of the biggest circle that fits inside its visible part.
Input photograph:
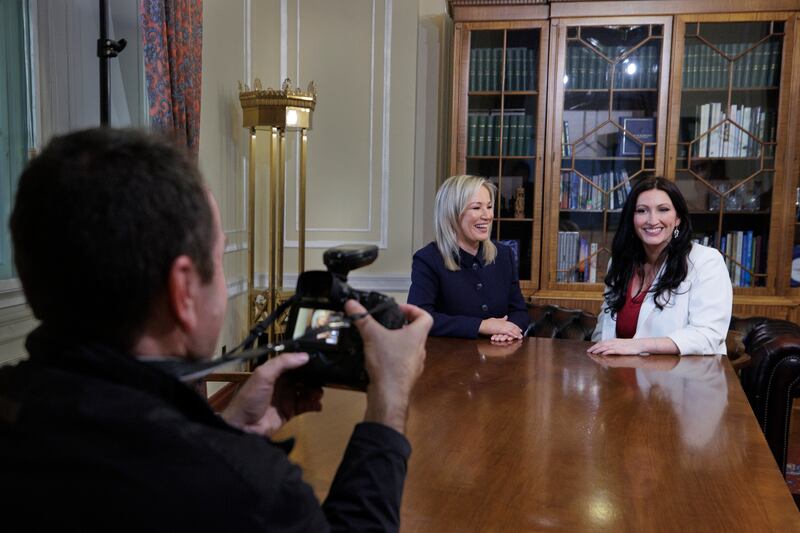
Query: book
(643, 129)
(514, 245)
(472, 134)
(795, 276)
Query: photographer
(119, 249)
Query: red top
(628, 316)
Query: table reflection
(695, 386)
(487, 348)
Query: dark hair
(100, 216)
(627, 251)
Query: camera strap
(260, 327)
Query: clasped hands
(500, 329)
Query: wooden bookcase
(690, 91)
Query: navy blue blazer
(460, 300)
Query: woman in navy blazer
(468, 283)
(664, 293)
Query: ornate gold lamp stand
(275, 111)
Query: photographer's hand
(268, 398)
(394, 359)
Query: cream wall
(374, 152)
(376, 147)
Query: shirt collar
(467, 260)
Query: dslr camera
(318, 324)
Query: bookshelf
(732, 147)
(607, 105)
(700, 93)
(499, 104)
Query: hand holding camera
(394, 361)
(353, 339)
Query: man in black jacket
(119, 248)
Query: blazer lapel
(649, 303)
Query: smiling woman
(664, 293)
(467, 282)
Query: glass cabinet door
(501, 131)
(726, 154)
(609, 123)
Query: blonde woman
(468, 283)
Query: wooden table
(539, 437)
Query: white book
(744, 145)
(572, 258)
(593, 263)
(715, 138)
(732, 138)
(704, 119)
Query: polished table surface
(540, 437)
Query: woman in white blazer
(664, 294)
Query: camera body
(318, 324)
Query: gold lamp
(275, 111)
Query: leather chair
(554, 322)
(772, 380)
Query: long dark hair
(627, 251)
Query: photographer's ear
(183, 288)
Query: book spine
(482, 118)
(739, 258)
(472, 134)
(530, 145)
(507, 70)
(531, 60)
(582, 66)
(490, 149)
(498, 133)
(472, 64)
(506, 135)
(774, 63)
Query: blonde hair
(452, 200)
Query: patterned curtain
(173, 48)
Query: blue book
(514, 245)
(747, 240)
(644, 129)
(795, 279)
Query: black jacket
(92, 439)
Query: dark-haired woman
(664, 294)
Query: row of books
(741, 249)
(729, 140)
(577, 258)
(586, 69)
(704, 68)
(744, 252)
(487, 136)
(577, 193)
(486, 65)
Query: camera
(318, 324)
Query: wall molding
(383, 230)
(11, 293)
(389, 282)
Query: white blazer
(697, 315)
